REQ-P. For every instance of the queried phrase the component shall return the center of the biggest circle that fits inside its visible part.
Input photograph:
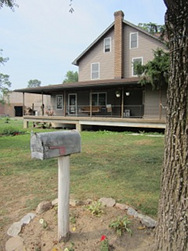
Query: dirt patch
(86, 231)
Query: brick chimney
(118, 44)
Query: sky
(42, 38)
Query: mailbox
(55, 144)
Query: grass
(112, 164)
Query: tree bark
(172, 227)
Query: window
(107, 44)
(95, 71)
(99, 99)
(134, 40)
(134, 62)
(59, 100)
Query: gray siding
(97, 55)
(152, 107)
(146, 45)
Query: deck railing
(127, 111)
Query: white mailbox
(55, 144)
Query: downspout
(122, 101)
(160, 103)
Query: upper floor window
(107, 44)
(136, 61)
(133, 40)
(95, 71)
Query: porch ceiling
(80, 85)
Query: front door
(72, 104)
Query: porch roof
(81, 85)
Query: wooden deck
(79, 122)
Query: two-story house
(108, 92)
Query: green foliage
(152, 28)
(96, 208)
(121, 225)
(9, 128)
(156, 71)
(7, 120)
(4, 81)
(34, 83)
(8, 3)
(71, 248)
(71, 77)
(72, 219)
(11, 131)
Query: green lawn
(112, 164)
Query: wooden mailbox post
(58, 144)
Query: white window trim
(98, 96)
(59, 96)
(130, 40)
(98, 71)
(133, 65)
(105, 44)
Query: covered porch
(122, 102)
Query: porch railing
(127, 111)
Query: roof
(75, 62)
(49, 89)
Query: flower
(104, 243)
(103, 237)
(41, 221)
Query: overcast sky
(42, 38)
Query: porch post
(90, 105)
(23, 103)
(42, 105)
(65, 104)
(122, 101)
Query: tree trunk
(172, 227)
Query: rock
(88, 202)
(132, 212)
(108, 202)
(27, 218)
(55, 202)
(14, 244)
(14, 229)
(74, 203)
(121, 206)
(43, 207)
(147, 221)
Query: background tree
(34, 83)
(9, 3)
(152, 28)
(71, 77)
(4, 81)
(172, 228)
